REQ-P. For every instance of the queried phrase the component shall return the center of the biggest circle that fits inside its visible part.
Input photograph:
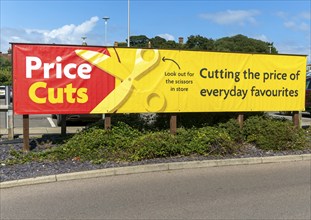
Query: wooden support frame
(297, 119)
(240, 119)
(26, 147)
(107, 121)
(63, 130)
(173, 123)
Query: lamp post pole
(106, 117)
(83, 41)
(106, 23)
(128, 23)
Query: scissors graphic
(129, 78)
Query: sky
(286, 23)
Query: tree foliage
(199, 43)
(241, 43)
(5, 71)
(237, 43)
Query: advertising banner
(62, 79)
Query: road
(267, 191)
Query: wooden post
(297, 119)
(107, 121)
(26, 147)
(173, 124)
(240, 120)
(63, 125)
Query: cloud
(67, 34)
(305, 15)
(297, 26)
(261, 37)
(282, 14)
(293, 48)
(298, 22)
(240, 17)
(166, 36)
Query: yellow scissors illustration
(129, 78)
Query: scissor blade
(115, 99)
(109, 64)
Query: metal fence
(8, 111)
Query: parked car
(78, 118)
(308, 94)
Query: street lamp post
(106, 117)
(83, 41)
(128, 23)
(106, 22)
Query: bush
(274, 134)
(154, 145)
(94, 144)
(233, 129)
(212, 140)
(125, 143)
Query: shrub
(95, 144)
(125, 143)
(154, 145)
(211, 140)
(233, 129)
(274, 134)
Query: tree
(241, 43)
(5, 71)
(139, 41)
(159, 42)
(199, 43)
(237, 43)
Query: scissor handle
(142, 65)
(155, 102)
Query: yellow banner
(151, 80)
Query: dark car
(79, 118)
(308, 94)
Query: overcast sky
(285, 23)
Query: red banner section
(53, 79)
